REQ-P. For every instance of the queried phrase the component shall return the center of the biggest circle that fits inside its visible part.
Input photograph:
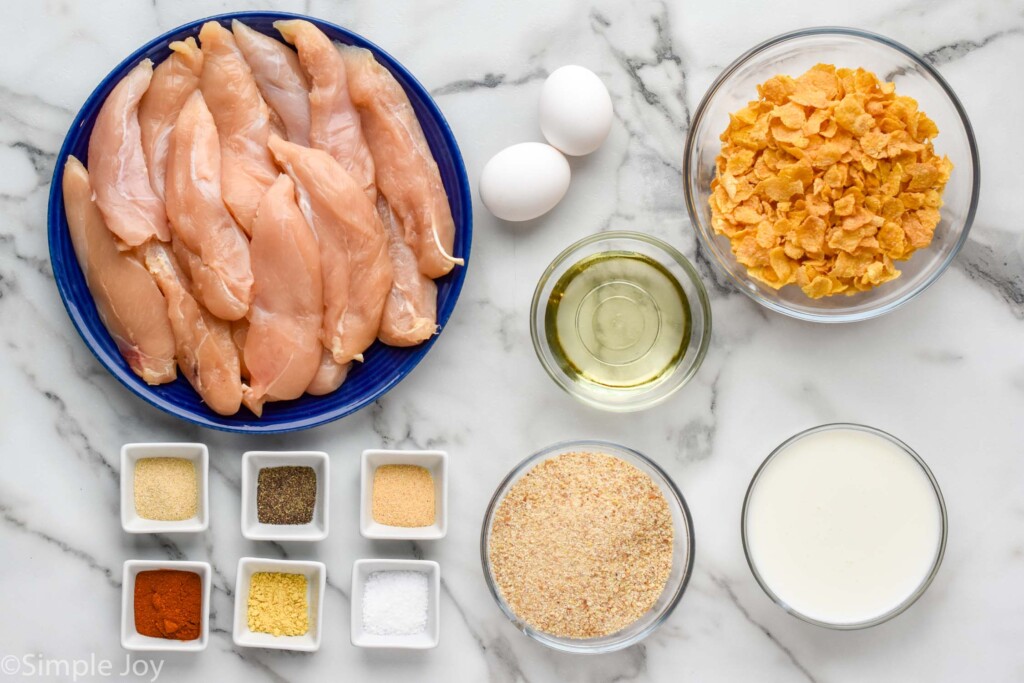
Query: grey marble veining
(945, 373)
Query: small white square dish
(436, 462)
(131, 639)
(429, 637)
(131, 521)
(316, 583)
(318, 526)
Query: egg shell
(575, 110)
(524, 181)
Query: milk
(843, 526)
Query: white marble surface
(945, 373)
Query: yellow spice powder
(403, 495)
(277, 604)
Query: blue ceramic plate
(384, 367)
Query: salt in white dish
(362, 569)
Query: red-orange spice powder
(168, 604)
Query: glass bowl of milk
(844, 526)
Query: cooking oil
(618, 319)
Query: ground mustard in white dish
(844, 526)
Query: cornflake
(826, 180)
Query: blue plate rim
(125, 377)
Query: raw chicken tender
(353, 248)
(280, 79)
(205, 283)
(407, 174)
(128, 301)
(282, 346)
(173, 81)
(206, 353)
(410, 312)
(120, 179)
(217, 253)
(239, 331)
(243, 122)
(335, 125)
(329, 376)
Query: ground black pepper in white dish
(286, 495)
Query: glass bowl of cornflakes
(831, 174)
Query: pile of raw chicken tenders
(258, 216)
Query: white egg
(575, 110)
(524, 181)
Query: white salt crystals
(395, 603)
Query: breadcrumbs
(403, 495)
(581, 546)
(277, 604)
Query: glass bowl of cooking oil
(620, 320)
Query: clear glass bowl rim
(704, 238)
(644, 403)
(909, 600)
(565, 644)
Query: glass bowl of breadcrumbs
(587, 546)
